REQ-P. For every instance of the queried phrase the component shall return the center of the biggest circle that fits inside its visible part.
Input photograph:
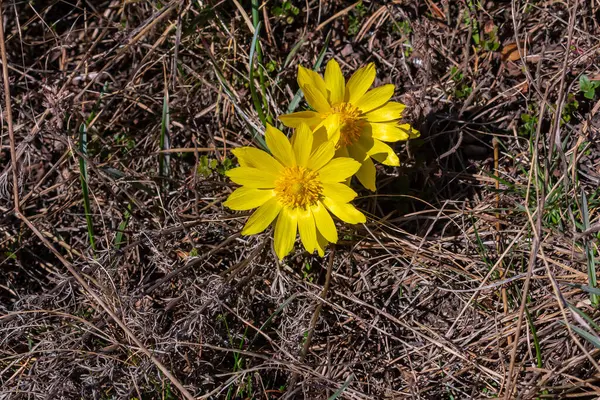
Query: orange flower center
(351, 123)
(298, 187)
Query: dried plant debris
(125, 277)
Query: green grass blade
(116, 174)
(163, 158)
(589, 251)
(293, 52)
(257, 106)
(583, 315)
(481, 247)
(296, 100)
(122, 226)
(83, 170)
(590, 337)
(259, 57)
(255, 129)
(266, 324)
(343, 388)
(204, 17)
(536, 340)
(83, 175)
(585, 288)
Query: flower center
(351, 123)
(298, 187)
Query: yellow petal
(412, 132)
(384, 154)
(366, 175)
(389, 132)
(320, 136)
(315, 99)
(359, 83)
(375, 98)
(365, 140)
(245, 198)
(324, 222)
(321, 156)
(252, 177)
(262, 218)
(338, 170)
(285, 232)
(359, 150)
(331, 125)
(389, 112)
(309, 77)
(321, 244)
(334, 80)
(338, 192)
(302, 142)
(307, 229)
(280, 146)
(255, 158)
(345, 212)
(293, 120)
(343, 152)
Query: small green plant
(588, 87)
(206, 166)
(286, 12)
(306, 272)
(462, 90)
(529, 121)
(355, 18)
(571, 105)
(225, 165)
(402, 28)
(486, 38)
(123, 140)
(490, 41)
(271, 66)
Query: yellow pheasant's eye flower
(356, 119)
(298, 186)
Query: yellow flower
(357, 120)
(298, 186)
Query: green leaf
(589, 94)
(588, 87)
(595, 300)
(584, 83)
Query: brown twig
(9, 119)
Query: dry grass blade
(9, 119)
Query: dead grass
(471, 278)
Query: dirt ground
(122, 276)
